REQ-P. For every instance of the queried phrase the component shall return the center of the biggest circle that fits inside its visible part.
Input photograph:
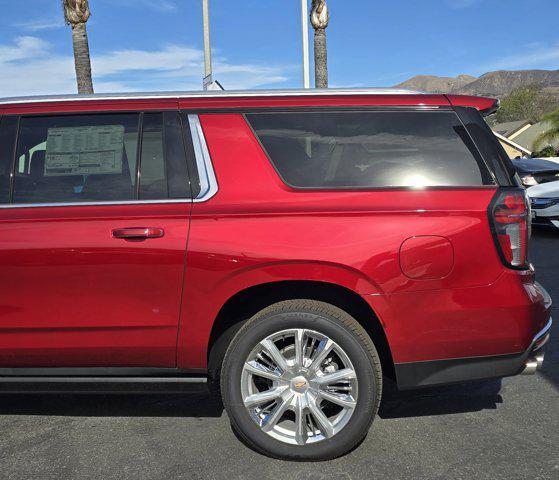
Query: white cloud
(170, 58)
(29, 66)
(41, 24)
(22, 48)
(533, 56)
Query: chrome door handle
(138, 232)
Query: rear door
(93, 231)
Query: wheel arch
(245, 303)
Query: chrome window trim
(208, 181)
(208, 94)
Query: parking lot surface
(493, 429)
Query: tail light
(509, 214)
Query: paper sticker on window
(84, 150)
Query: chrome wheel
(299, 386)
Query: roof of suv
(208, 94)
(240, 98)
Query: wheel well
(246, 303)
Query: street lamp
(207, 48)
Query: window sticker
(84, 150)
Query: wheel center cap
(299, 384)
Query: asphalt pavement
(493, 429)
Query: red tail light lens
(510, 219)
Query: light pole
(305, 38)
(207, 47)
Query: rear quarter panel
(257, 230)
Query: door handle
(138, 232)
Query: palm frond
(76, 11)
(553, 118)
(546, 138)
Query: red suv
(292, 247)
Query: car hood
(544, 190)
(534, 165)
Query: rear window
(370, 149)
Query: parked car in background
(544, 199)
(293, 248)
(534, 171)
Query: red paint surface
(74, 295)
(257, 230)
(426, 257)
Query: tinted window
(152, 163)
(76, 158)
(8, 127)
(163, 163)
(177, 172)
(370, 149)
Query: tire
(350, 375)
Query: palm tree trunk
(319, 20)
(320, 59)
(82, 60)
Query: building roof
(510, 128)
(514, 145)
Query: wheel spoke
(324, 348)
(322, 421)
(337, 376)
(260, 370)
(346, 401)
(271, 349)
(299, 352)
(283, 401)
(300, 425)
(262, 397)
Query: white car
(544, 199)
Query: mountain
(492, 84)
(434, 84)
(503, 82)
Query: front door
(92, 241)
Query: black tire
(342, 329)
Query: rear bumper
(440, 372)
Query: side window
(163, 172)
(76, 158)
(8, 128)
(152, 160)
(370, 149)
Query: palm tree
(319, 21)
(551, 135)
(76, 14)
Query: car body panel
(154, 303)
(76, 296)
(244, 236)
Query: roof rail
(208, 94)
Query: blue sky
(157, 44)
